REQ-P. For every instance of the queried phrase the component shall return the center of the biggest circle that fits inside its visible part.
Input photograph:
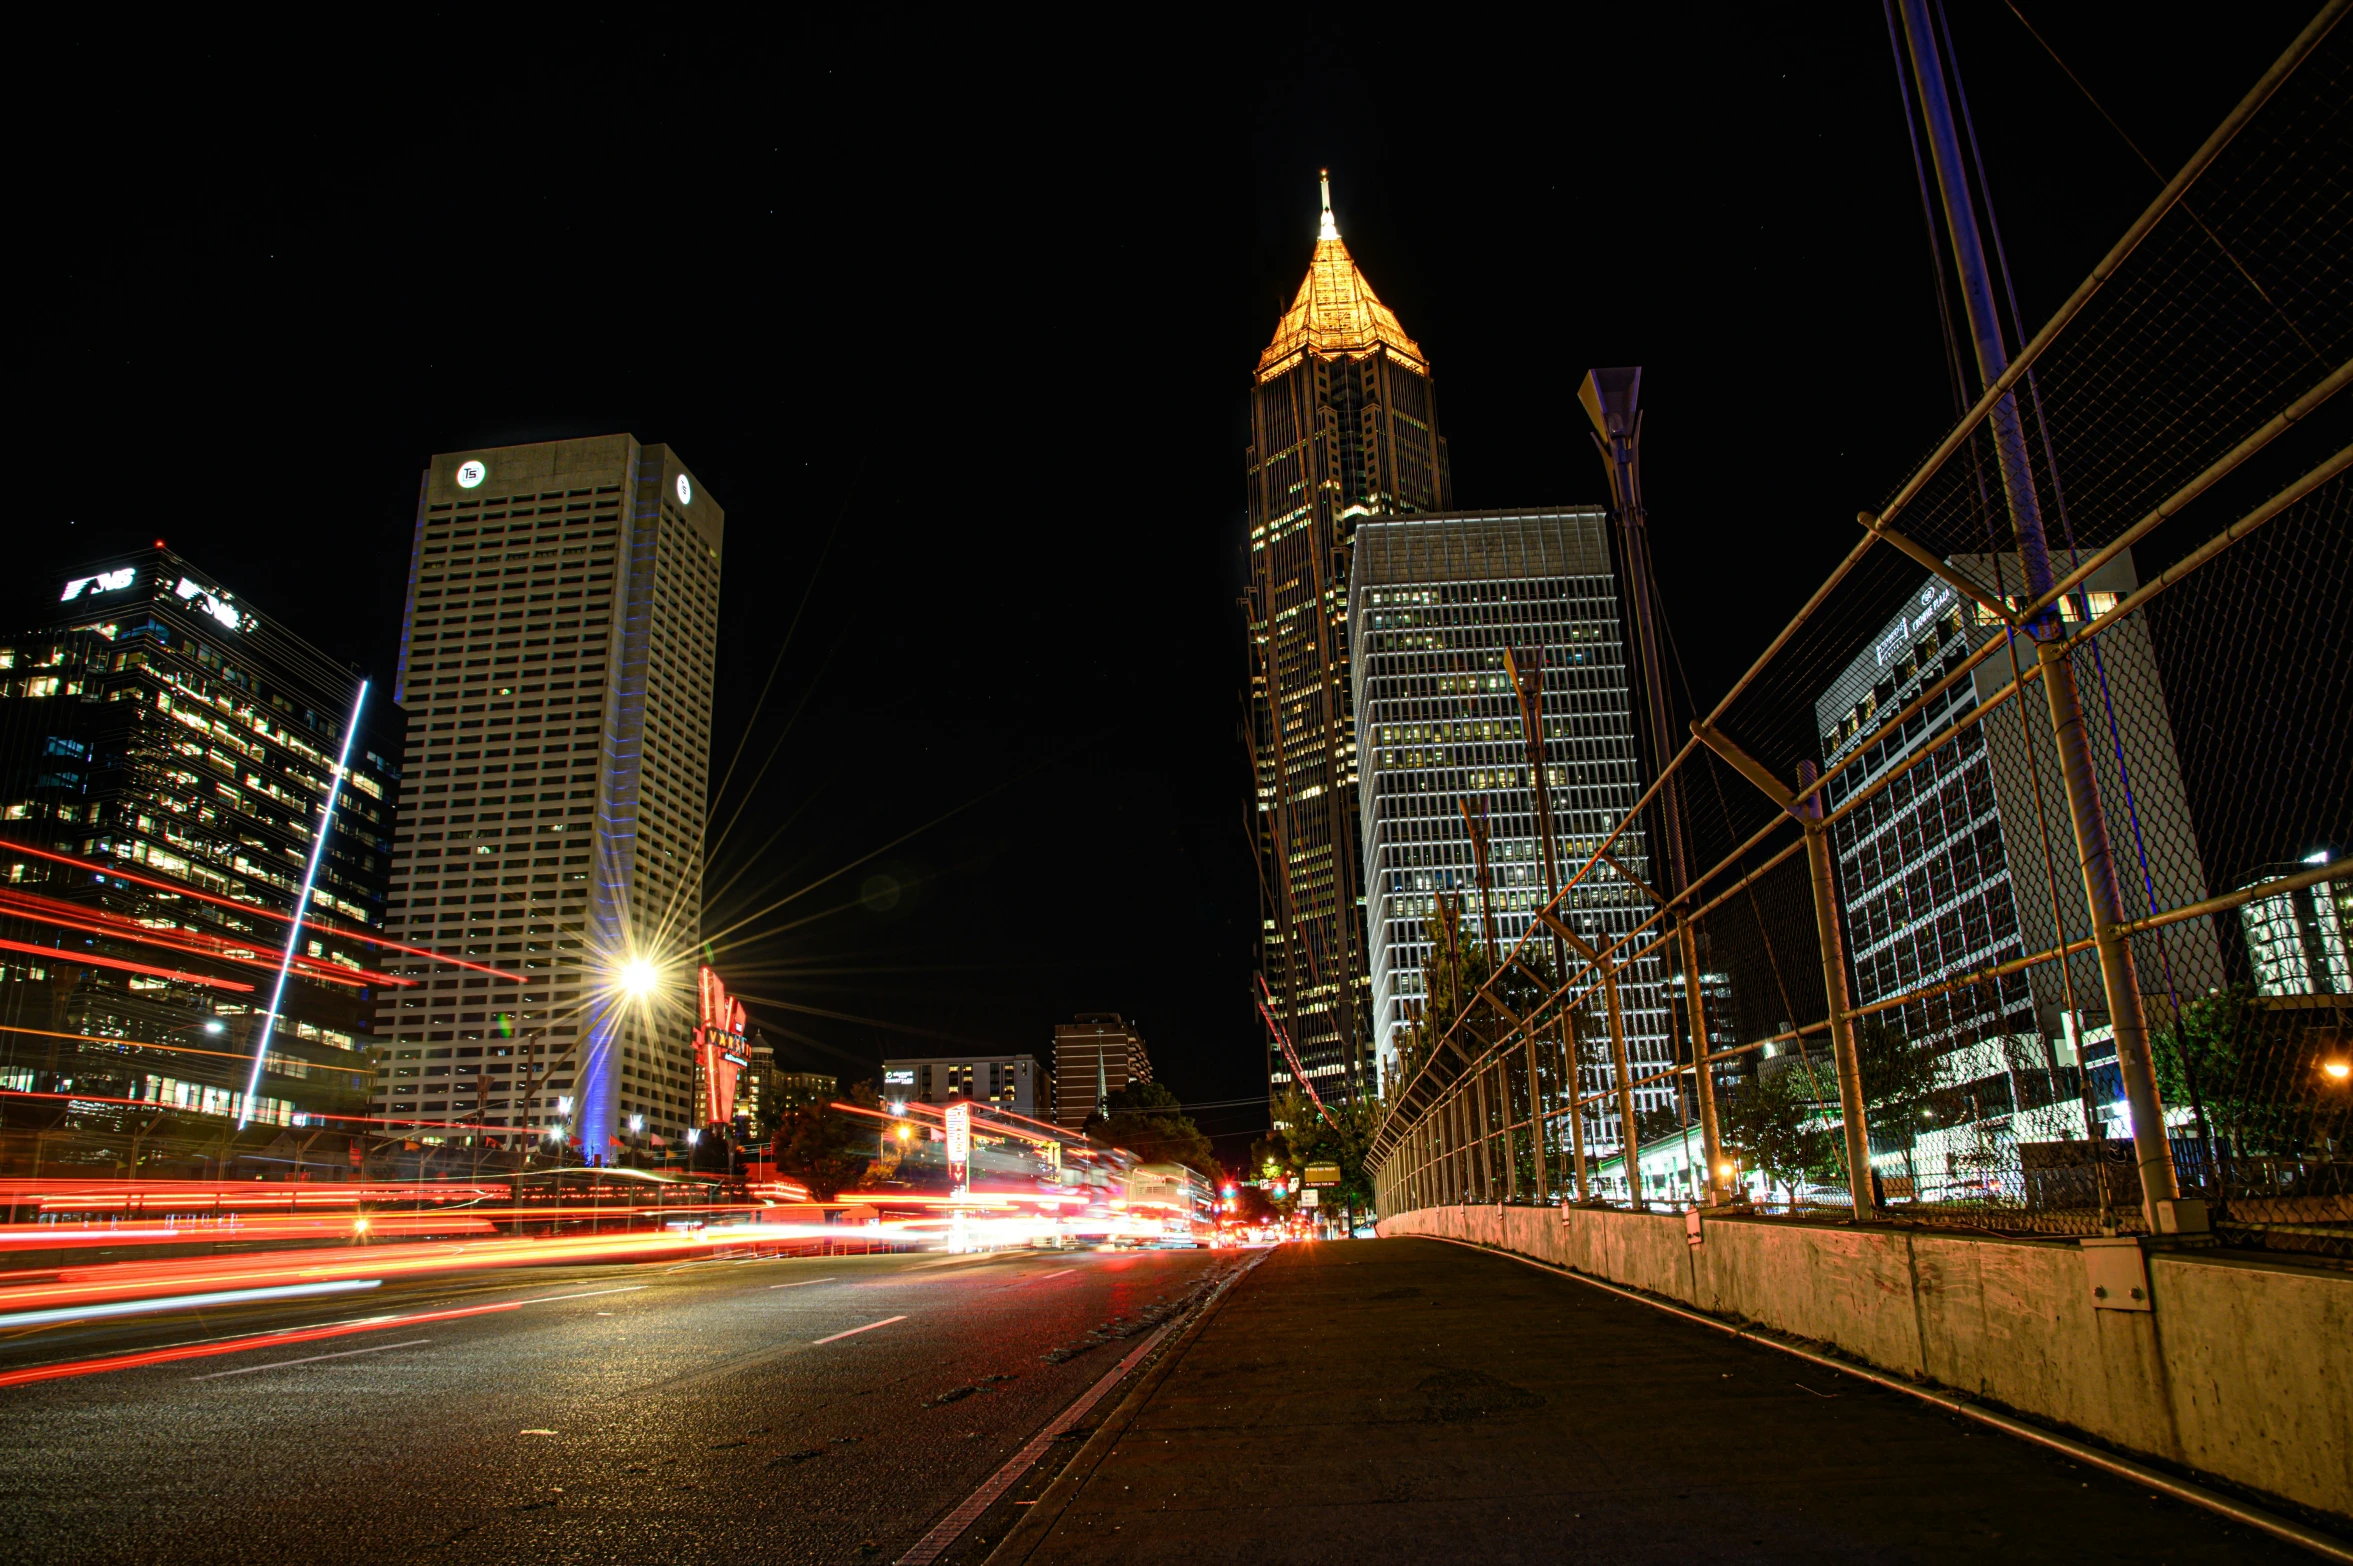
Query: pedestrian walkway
(1410, 1400)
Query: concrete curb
(1018, 1545)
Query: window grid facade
(1944, 872)
(557, 662)
(165, 725)
(1343, 426)
(1434, 602)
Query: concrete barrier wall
(2243, 1370)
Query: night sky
(956, 318)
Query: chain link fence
(1981, 869)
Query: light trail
(310, 876)
(174, 1049)
(166, 1356)
(195, 943)
(150, 970)
(311, 1359)
(180, 889)
(142, 1307)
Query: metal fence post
(1536, 1124)
(1576, 1105)
(1629, 1144)
(2161, 1197)
(1830, 932)
(1704, 1078)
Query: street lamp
(638, 978)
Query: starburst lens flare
(638, 978)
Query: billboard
(718, 1045)
(959, 1126)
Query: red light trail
(165, 1356)
(197, 943)
(90, 960)
(179, 890)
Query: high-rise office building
(556, 663)
(2300, 942)
(1434, 602)
(1343, 425)
(165, 728)
(1096, 1054)
(1947, 871)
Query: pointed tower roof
(1336, 310)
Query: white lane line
(854, 1331)
(311, 1359)
(1043, 1276)
(549, 1299)
(802, 1284)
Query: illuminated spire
(1336, 311)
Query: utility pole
(2162, 1202)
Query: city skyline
(1104, 707)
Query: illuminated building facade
(1015, 1082)
(165, 727)
(1434, 601)
(1095, 1055)
(1343, 426)
(1944, 872)
(805, 1087)
(556, 663)
(2301, 942)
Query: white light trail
(284, 1291)
(310, 876)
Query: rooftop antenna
(1330, 230)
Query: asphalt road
(721, 1410)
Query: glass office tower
(1433, 603)
(1953, 869)
(556, 664)
(162, 728)
(1343, 426)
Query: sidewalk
(1410, 1400)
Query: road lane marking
(854, 1331)
(1043, 1276)
(550, 1299)
(310, 1359)
(804, 1283)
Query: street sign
(959, 1119)
(1311, 1198)
(1323, 1174)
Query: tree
(2255, 1070)
(1301, 1136)
(1150, 1122)
(1897, 1074)
(823, 1147)
(1771, 1121)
